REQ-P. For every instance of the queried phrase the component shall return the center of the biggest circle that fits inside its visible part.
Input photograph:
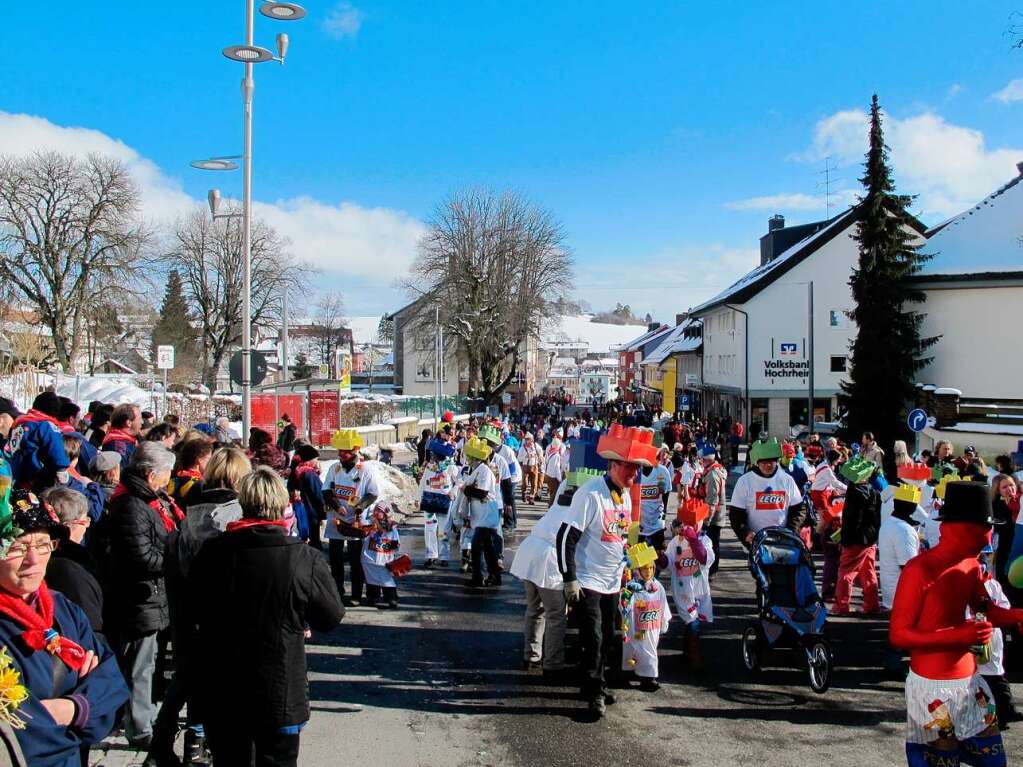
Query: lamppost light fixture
(214, 163)
(282, 47)
(248, 54)
(282, 11)
(213, 197)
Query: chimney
(1019, 167)
(650, 326)
(775, 222)
(680, 318)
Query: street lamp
(248, 54)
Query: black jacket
(254, 591)
(136, 598)
(861, 517)
(286, 439)
(72, 571)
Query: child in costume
(482, 494)
(380, 556)
(459, 526)
(645, 617)
(861, 523)
(994, 670)
(947, 699)
(690, 555)
(437, 489)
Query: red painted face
(623, 474)
(965, 537)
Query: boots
(691, 647)
(195, 749)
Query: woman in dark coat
(257, 589)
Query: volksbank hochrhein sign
(785, 363)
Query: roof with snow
(639, 342)
(682, 338)
(984, 241)
(599, 337)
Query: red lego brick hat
(632, 445)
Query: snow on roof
(644, 339)
(675, 343)
(599, 337)
(763, 272)
(983, 239)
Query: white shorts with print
(947, 708)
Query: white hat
(106, 460)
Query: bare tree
(329, 327)
(209, 257)
(68, 228)
(494, 266)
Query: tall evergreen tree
(175, 328)
(888, 350)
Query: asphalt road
(439, 682)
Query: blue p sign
(917, 420)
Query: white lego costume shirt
(897, 543)
(646, 616)
(437, 488)
(604, 519)
(651, 493)
(765, 499)
(485, 512)
(514, 469)
(349, 487)
(995, 666)
(536, 560)
(690, 588)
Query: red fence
(323, 414)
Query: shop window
(838, 364)
(758, 413)
(797, 411)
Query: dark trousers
(338, 552)
(313, 521)
(484, 547)
(1003, 697)
(511, 519)
(373, 593)
(714, 533)
(235, 748)
(597, 614)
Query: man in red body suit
(946, 722)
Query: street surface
(439, 683)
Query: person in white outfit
(646, 616)
(690, 556)
(437, 490)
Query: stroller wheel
(818, 659)
(752, 648)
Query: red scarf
(39, 633)
(118, 435)
(245, 524)
(190, 473)
(305, 468)
(34, 416)
(170, 514)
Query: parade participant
(898, 542)
(530, 459)
(690, 555)
(591, 551)
(993, 670)
(459, 523)
(71, 683)
(536, 565)
(943, 689)
(646, 617)
(508, 469)
(553, 470)
(381, 561)
(712, 491)
(436, 491)
(861, 521)
(481, 493)
(260, 588)
(765, 496)
(655, 486)
(125, 427)
(350, 488)
(36, 446)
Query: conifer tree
(888, 351)
(175, 328)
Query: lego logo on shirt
(344, 493)
(771, 500)
(650, 492)
(616, 525)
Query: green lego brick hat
(769, 450)
(858, 469)
(579, 477)
(490, 433)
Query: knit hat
(307, 452)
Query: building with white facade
(764, 334)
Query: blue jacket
(93, 494)
(36, 447)
(87, 459)
(45, 743)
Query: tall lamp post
(249, 54)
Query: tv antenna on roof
(827, 182)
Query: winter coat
(255, 590)
(206, 518)
(270, 455)
(93, 494)
(861, 517)
(714, 481)
(36, 448)
(286, 439)
(72, 571)
(136, 597)
(120, 442)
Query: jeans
(484, 547)
(340, 551)
(233, 747)
(137, 659)
(545, 621)
(598, 614)
(511, 519)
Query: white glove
(572, 591)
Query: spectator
(141, 518)
(71, 569)
(173, 419)
(870, 450)
(99, 425)
(223, 433)
(36, 445)
(92, 492)
(286, 437)
(962, 463)
(193, 456)
(902, 458)
(8, 415)
(307, 483)
(256, 582)
(74, 690)
(125, 427)
(165, 434)
(108, 471)
(69, 426)
(263, 451)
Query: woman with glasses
(73, 682)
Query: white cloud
(344, 20)
(953, 90)
(368, 247)
(794, 201)
(1011, 92)
(950, 167)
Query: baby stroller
(792, 614)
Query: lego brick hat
(908, 493)
(631, 445)
(579, 477)
(939, 490)
(641, 555)
(440, 448)
(967, 502)
(858, 469)
(491, 434)
(478, 449)
(346, 440)
(916, 472)
(769, 450)
(448, 417)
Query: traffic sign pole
(917, 422)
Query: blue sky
(663, 135)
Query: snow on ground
(395, 486)
(114, 389)
(599, 336)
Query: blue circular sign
(917, 419)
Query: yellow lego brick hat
(346, 440)
(641, 555)
(478, 448)
(908, 493)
